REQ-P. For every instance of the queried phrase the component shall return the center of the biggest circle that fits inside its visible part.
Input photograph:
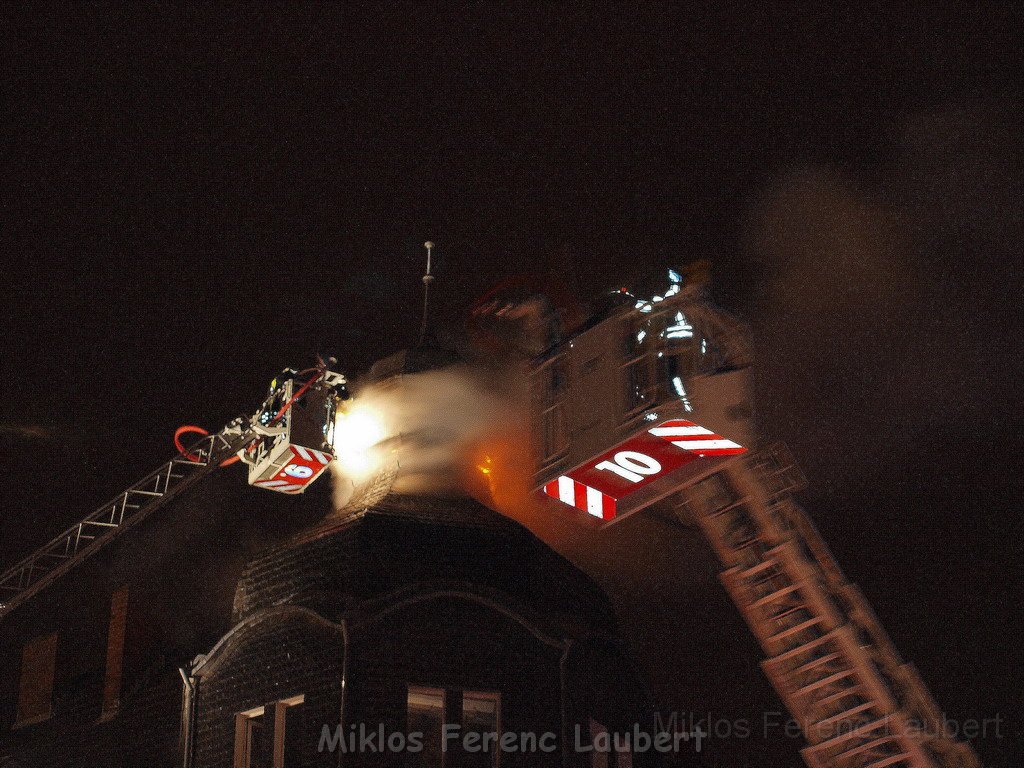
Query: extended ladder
(129, 508)
(858, 704)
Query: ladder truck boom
(676, 407)
(285, 448)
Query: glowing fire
(356, 432)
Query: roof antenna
(427, 280)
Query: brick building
(339, 644)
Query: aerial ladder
(286, 444)
(858, 704)
(667, 425)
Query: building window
(425, 715)
(481, 716)
(115, 653)
(638, 370)
(260, 734)
(35, 684)
(550, 378)
(428, 709)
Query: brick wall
(275, 655)
(335, 568)
(382, 573)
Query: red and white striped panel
(695, 438)
(305, 466)
(576, 494)
(310, 455)
(284, 486)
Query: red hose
(188, 429)
(192, 429)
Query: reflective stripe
(302, 452)
(609, 507)
(582, 497)
(680, 431)
(322, 457)
(567, 490)
(705, 445)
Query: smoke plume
(438, 432)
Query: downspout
(188, 716)
(344, 690)
(564, 700)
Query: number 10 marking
(631, 465)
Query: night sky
(196, 195)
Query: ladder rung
(900, 758)
(809, 645)
(834, 678)
(868, 745)
(775, 595)
(848, 713)
(788, 611)
(100, 523)
(771, 568)
(796, 629)
(730, 507)
(753, 570)
(146, 493)
(746, 542)
(826, 659)
(853, 733)
(851, 691)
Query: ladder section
(858, 704)
(131, 506)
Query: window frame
(242, 756)
(638, 371)
(410, 689)
(494, 696)
(554, 434)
